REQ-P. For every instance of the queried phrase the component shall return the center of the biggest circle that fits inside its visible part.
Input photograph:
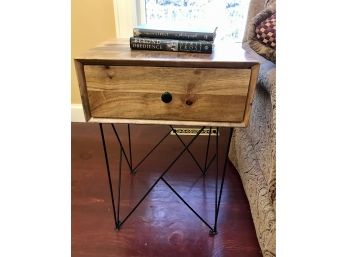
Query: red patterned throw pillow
(266, 31)
(262, 33)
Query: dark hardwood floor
(162, 225)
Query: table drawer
(198, 94)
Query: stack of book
(146, 37)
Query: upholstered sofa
(253, 149)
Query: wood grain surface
(118, 52)
(162, 226)
(156, 79)
(83, 89)
(118, 84)
(168, 122)
(199, 94)
(253, 78)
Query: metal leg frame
(218, 189)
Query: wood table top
(118, 52)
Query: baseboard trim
(77, 114)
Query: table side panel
(251, 92)
(83, 89)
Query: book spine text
(171, 45)
(148, 33)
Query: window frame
(131, 13)
(128, 14)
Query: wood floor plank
(162, 225)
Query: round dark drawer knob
(166, 97)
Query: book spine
(182, 35)
(171, 45)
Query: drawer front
(197, 94)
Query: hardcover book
(160, 44)
(149, 31)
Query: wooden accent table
(120, 85)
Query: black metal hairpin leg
(121, 146)
(206, 167)
(130, 149)
(188, 150)
(214, 231)
(218, 200)
(109, 177)
(148, 154)
(133, 168)
(206, 153)
(218, 193)
(118, 223)
(161, 177)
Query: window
(228, 15)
